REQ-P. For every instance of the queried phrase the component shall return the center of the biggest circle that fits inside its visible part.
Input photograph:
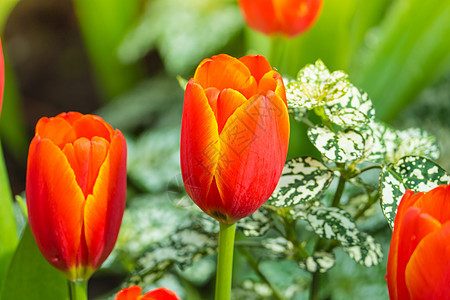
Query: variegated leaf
(340, 147)
(279, 246)
(315, 86)
(320, 262)
(257, 224)
(183, 248)
(354, 109)
(302, 179)
(415, 173)
(380, 140)
(414, 141)
(335, 223)
(367, 253)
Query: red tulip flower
(134, 293)
(2, 76)
(76, 190)
(234, 135)
(419, 256)
(288, 17)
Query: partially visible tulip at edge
(287, 17)
(234, 135)
(134, 293)
(419, 255)
(76, 191)
(2, 76)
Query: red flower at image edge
(134, 293)
(234, 135)
(419, 255)
(76, 191)
(288, 17)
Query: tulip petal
(199, 150)
(428, 271)
(212, 94)
(104, 208)
(89, 126)
(257, 64)
(414, 226)
(272, 81)
(253, 147)
(223, 71)
(436, 203)
(70, 117)
(85, 158)
(56, 202)
(296, 16)
(129, 293)
(160, 294)
(227, 103)
(260, 16)
(58, 130)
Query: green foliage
(409, 173)
(8, 236)
(184, 32)
(104, 24)
(30, 276)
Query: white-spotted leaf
(340, 147)
(302, 180)
(320, 262)
(415, 173)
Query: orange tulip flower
(288, 17)
(76, 190)
(134, 293)
(234, 135)
(419, 255)
(2, 76)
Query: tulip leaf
(184, 247)
(320, 262)
(337, 224)
(302, 180)
(30, 276)
(415, 173)
(257, 224)
(342, 146)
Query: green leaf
(337, 224)
(302, 179)
(319, 262)
(340, 147)
(30, 276)
(184, 32)
(411, 172)
(257, 224)
(8, 236)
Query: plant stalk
(78, 290)
(225, 261)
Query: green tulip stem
(225, 261)
(78, 290)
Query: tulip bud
(234, 135)
(76, 191)
(419, 255)
(288, 17)
(134, 293)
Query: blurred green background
(120, 59)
